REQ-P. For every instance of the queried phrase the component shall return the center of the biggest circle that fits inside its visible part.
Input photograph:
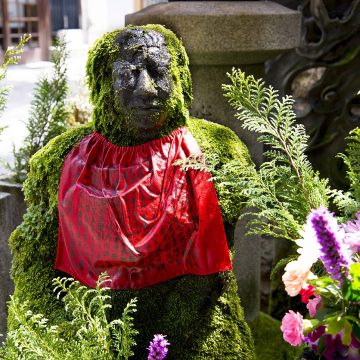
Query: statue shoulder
(213, 137)
(46, 164)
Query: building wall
(99, 17)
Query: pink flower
(296, 274)
(292, 328)
(352, 234)
(312, 305)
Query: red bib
(129, 211)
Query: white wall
(101, 16)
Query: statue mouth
(146, 108)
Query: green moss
(201, 315)
(34, 242)
(109, 119)
(269, 343)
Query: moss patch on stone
(269, 343)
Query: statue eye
(157, 71)
(126, 75)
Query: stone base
(247, 269)
(12, 208)
(5, 258)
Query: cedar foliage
(48, 113)
(349, 201)
(92, 335)
(285, 187)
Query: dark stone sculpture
(142, 80)
(323, 74)
(137, 96)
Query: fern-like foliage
(349, 202)
(48, 112)
(11, 57)
(285, 187)
(93, 337)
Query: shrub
(48, 113)
(11, 56)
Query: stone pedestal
(219, 35)
(5, 259)
(12, 208)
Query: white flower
(296, 274)
(309, 248)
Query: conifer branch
(11, 57)
(48, 113)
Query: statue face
(142, 80)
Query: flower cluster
(158, 347)
(352, 234)
(337, 294)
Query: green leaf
(335, 325)
(322, 281)
(351, 288)
(356, 331)
(346, 338)
(326, 287)
(353, 319)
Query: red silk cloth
(130, 212)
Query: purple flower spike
(330, 239)
(158, 347)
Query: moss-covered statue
(107, 197)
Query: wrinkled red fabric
(129, 211)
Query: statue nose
(145, 85)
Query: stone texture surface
(267, 259)
(219, 35)
(12, 208)
(247, 269)
(153, 2)
(5, 258)
(226, 32)
(210, 103)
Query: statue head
(140, 84)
